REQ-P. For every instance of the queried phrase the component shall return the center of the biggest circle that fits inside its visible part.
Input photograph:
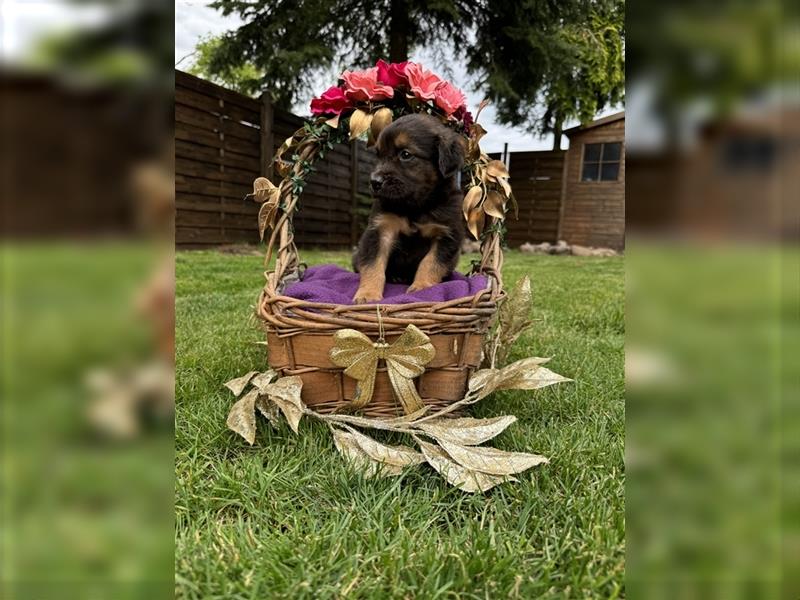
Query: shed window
(601, 161)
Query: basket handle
(281, 242)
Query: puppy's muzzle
(376, 183)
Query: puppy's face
(416, 154)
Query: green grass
(288, 518)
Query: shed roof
(599, 122)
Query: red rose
(422, 83)
(332, 102)
(362, 86)
(393, 74)
(463, 115)
(448, 97)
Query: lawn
(288, 517)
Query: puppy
(416, 227)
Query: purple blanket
(335, 285)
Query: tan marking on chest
(431, 230)
(392, 225)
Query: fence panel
(537, 179)
(224, 140)
(217, 157)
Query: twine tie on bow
(405, 359)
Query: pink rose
(362, 86)
(448, 97)
(393, 74)
(333, 102)
(422, 83)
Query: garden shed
(593, 198)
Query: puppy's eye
(405, 155)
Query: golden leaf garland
(453, 449)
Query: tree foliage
(541, 62)
(545, 63)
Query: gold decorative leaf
(493, 205)
(269, 409)
(492, 460)
(471, 200)
(348, 446)
(513, 315)
(466, 431)
(237, 385)
(497, 169)
(525, 374)
(398, 456)
(262, 189)
(476, 132)
(505, 185)
(261, 380)
(461, 477)
(266, 217)
(359, 123)
(380, 119)
(283, 166)
(483, 377)
(480, 378)
(242, 417)
(512, 321)
(475, 222)
(285, 393)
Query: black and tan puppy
(416, 227)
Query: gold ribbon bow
(405, 359)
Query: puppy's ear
(451, 154)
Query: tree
(545, 63)
(291, 40)
(242, 77)
(565, 56)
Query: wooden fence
(537, 179)
(223, 141)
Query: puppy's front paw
(364, 295)
(420, 285)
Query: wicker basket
(300, 333)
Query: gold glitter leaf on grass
(237, 385)
(467, 431)
(461, 477)
(242, 417)
(492, 460)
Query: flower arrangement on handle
(360, 105)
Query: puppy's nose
(375, 182)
